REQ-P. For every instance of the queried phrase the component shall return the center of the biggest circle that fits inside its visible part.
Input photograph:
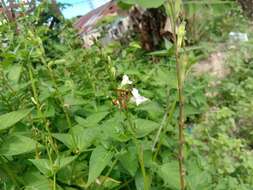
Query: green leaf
(144, 127)
(36, 181)
(17, 144)
(129, 160)
(84, 137)
(109, 183)
(78, 137)
(169, 172)
(139, 181)
(178, 4)
(99, 159)
(197, 178)
(43, 166)
(200, 180)
(150, 3)
(9, 119)
(14, 73)
(66, 139)
(145, 3)
(91, 120)
(113, 129)
(73, 101)
(47, 169)
(154, 110)
(165, 78)
(62, 161)
(163, 52)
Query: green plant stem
(181, 129)
(169, 119)
(54, 185)
(38, 106)
(180, 84)
(143, 171)
(60, 99)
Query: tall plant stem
(38, 106)
(178, 40)
(180, 124)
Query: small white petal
(125, 80)
(135, 92)
(141, 100)
(137, 98)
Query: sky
(80, 7)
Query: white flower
(137, 98)
(125, 80)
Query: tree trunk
(55, 8)
(148, 24)
(247, 6)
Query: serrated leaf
(143, 127)
(200, 180)
(169, 172)
(17, 144)
(99, 159)
(9, 119)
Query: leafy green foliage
(61, 128)
(224, 136)
(144, 3)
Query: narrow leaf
(9, 119)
